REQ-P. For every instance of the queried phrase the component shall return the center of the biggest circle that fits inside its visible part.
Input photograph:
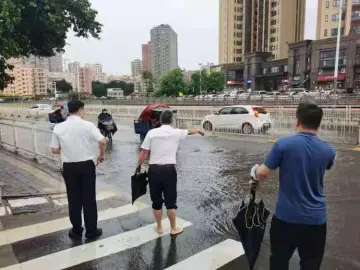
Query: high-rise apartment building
(74, 67)
(97, 72)
(86, 78)
(136, 68)
(164, 50)
(40, 81)
(328, 18)
(23, 84)
(146, 57)
(56, 63)
(247, 26)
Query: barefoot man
(163, 143)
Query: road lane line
(98, 249)
(212, 258)
(27, 232)
(101, 196)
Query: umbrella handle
(252, 194)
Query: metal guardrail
(260, 101)
(25, 136)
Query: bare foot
(177, 231)
(159, 230)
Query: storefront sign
(233, 82)
(331, 77)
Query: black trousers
(80, 179)
(286, 237)
(163, 186)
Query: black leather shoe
(75, 236)
(94, 235)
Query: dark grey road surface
(213, 176)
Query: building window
(297, 67)
(325, 32)
(238, 59)
(327, 4)
(273, 31)
(272, 39)
(264, 71)
(286, 68)
(355, 14)
(335, 17)
(334, 31)
(273, 22)
(275, 69)
(326, 18)
(327, 58)
(336, 3)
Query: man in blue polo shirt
(300, 217)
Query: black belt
(162, 165)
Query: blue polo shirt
(302, 160)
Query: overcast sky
(127, 25)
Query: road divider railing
(339, 125)
(27, 137)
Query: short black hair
(166, 117)
(309, 115)
(75, 105)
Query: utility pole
(336, 71)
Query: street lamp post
(336, 71)
(200, 78)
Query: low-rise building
(310, 65)
(116, 93)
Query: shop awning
(330, 77)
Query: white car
(39, 110)
(248, 119)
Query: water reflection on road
(213, 176)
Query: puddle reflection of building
(158, 255)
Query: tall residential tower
(247, 26)
(164, 50)
(328, 18)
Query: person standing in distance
(300, 216)
(78, 142)
(163, 143)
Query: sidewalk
(24, 182)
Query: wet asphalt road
(213, 176)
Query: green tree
(73, 95)
(215, 81)
(99, 89)
(40, 27)
(63, 86)
(172, 83)
(149, 82)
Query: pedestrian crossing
(129, 242)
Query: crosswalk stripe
(98, 249)
(212, 258)
(27, 232)
(101, 196)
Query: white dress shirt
(77, 139)
(163, 143)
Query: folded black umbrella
(138, 185)
(250, 222)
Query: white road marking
(212, 258)
(27, 232)
(99, 197)
(95, 250)
(2, 211)
(26, 202)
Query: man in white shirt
(79, 142)
(162, 143)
